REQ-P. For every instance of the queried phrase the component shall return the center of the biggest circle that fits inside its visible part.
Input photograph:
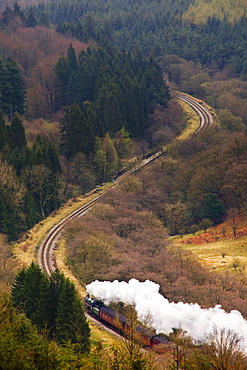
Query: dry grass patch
(193, 121)
(223, 254)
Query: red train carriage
(122, 325)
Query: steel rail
(206, 118)
(46, 257)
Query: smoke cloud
(165, 315)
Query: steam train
(122, 325)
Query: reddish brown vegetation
(229, 229)
(36, 51)
(121, 239)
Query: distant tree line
(154, 27)
(13, 18)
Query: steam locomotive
(122, 325)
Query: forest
(84, 88)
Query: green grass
(193, 121)
(219, 254)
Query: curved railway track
(46, 258)
(206, 118)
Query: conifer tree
(106, 159)
(17, 133)
(71, 324)
(77, 131)
(5, 88)
(31, 21)
(43, 20)
(71, 58)
(211, 209)
(3, 131)
(62, 75)
(3, 213)
(123, 144)
(18, 293)
(30, 292)
(52, 304)
(16, 97)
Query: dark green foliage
(17, 96)
(42, 177)
(5, 88)
(45, 153)
(3, 131)
(12, 16)
(83, 176)
(212, 209)
(77, 132)
(154, 27)
(71, 57)
(105, 90)
(30, 293)
(62, 74)
(17, 137)
(43, 20)
(20, 345)
(31, 21)
(52, 304)
(12, 91)
(70, 322)
(29, 178)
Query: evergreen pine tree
(6, 89)
(3, 131)
(18, 291)
(43, 20)
(62, 76)
(123, 144)
(105, 159)
(31, 292)
(31, 21)
(17, 94)
(71, 324)
(211, 209)
(17, 133)
(111, 108)
(52, 304)
(3, 213)
(31, 211)
(71, 129)
(71, 58)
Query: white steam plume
(147, 300)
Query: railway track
(206, 118)
(46, 256)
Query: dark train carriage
(159, 340)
